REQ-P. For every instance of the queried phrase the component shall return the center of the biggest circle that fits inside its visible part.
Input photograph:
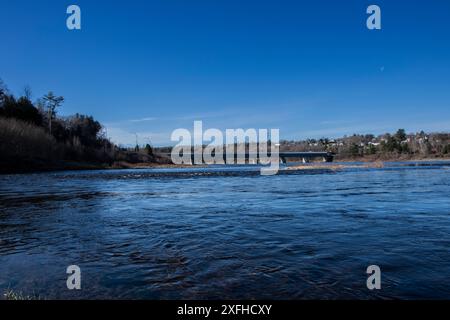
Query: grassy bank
(25, 147)
(18, 296)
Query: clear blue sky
(310, 68)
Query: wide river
(228, 232)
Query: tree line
(78, 137)
(34, 136)
(388, 146)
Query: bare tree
(52, 102)
(27, 93)
(3, 90)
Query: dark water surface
(228, 233)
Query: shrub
(19, 139)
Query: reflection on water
(227, 232)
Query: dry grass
(317, 166)
(13, 295)
(25, 147)
(19, 139)
(376, 165)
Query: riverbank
(365, 164)
(36, 166)
(390, 158)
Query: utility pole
(137, 143)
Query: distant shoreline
(41, 167)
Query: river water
(228, 233)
